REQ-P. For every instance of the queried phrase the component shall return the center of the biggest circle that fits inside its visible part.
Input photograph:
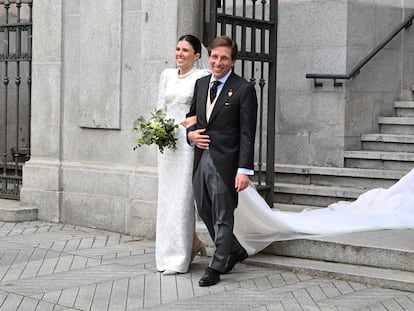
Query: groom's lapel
(204, 86)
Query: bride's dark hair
(193, 40)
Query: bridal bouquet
(156, 130)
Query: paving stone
(46, 266)
(85, 296)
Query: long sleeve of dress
(161, 92)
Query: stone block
(100, 64)
(294, 64)
(312, 24)
(143, 184)
(292, 148)
(188, 19)
(46, 100)
(42, 174)
(150, 83)
(48, 29)
(408, 70)
(408, 4)
(326, 150)
(361, 26)
(381, 74)
(71, 7)
(132, 5)
(408, 38)
(93, 179)
(100, 211)
(46, 202)
(320, 113)
(387, 19)
(141, 218)
(159, 37)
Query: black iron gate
(15, 92)
(253, 24)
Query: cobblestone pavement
(46, 266)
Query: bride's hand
(189, 121)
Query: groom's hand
(200, 140)
(241, 182)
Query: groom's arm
(248, 120)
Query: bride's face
(185, 56)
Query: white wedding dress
(175, 208)
(256, 225)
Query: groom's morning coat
(231, 127)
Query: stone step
(404, 104)
(335, 176)
(404, 108)
(390, 249)
(388, 142)
(292, 207)
(402, 161)
(396, 125)
(385, 278)
(10, 210)
(314, 195)
(382, 258)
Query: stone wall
(96, 66)
(315, 125)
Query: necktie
(213, 90)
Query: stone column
(42, 174)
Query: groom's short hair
(224, 41)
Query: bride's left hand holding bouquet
(157, 130)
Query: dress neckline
(186, 74)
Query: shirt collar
(223, 79)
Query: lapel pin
(230, 92)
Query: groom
(226, 108)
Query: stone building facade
(96, 65)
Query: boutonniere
(230, 92)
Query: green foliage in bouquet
(156, 130)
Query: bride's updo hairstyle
(195, 43)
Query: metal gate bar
(253, 25)
(16, 56)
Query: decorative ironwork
(253, 24)
(15, 103)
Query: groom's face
(220, 61)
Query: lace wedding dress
(256, 225)
(175, 208)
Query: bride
(256, 225)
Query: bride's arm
(187, 122)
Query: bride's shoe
(169, 272)
(199, 248)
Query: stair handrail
(357, 68)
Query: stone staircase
(384, 158)
(380, 258)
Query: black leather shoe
(234, 258)
(209, 278)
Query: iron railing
(15, 93)
(357, 68)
